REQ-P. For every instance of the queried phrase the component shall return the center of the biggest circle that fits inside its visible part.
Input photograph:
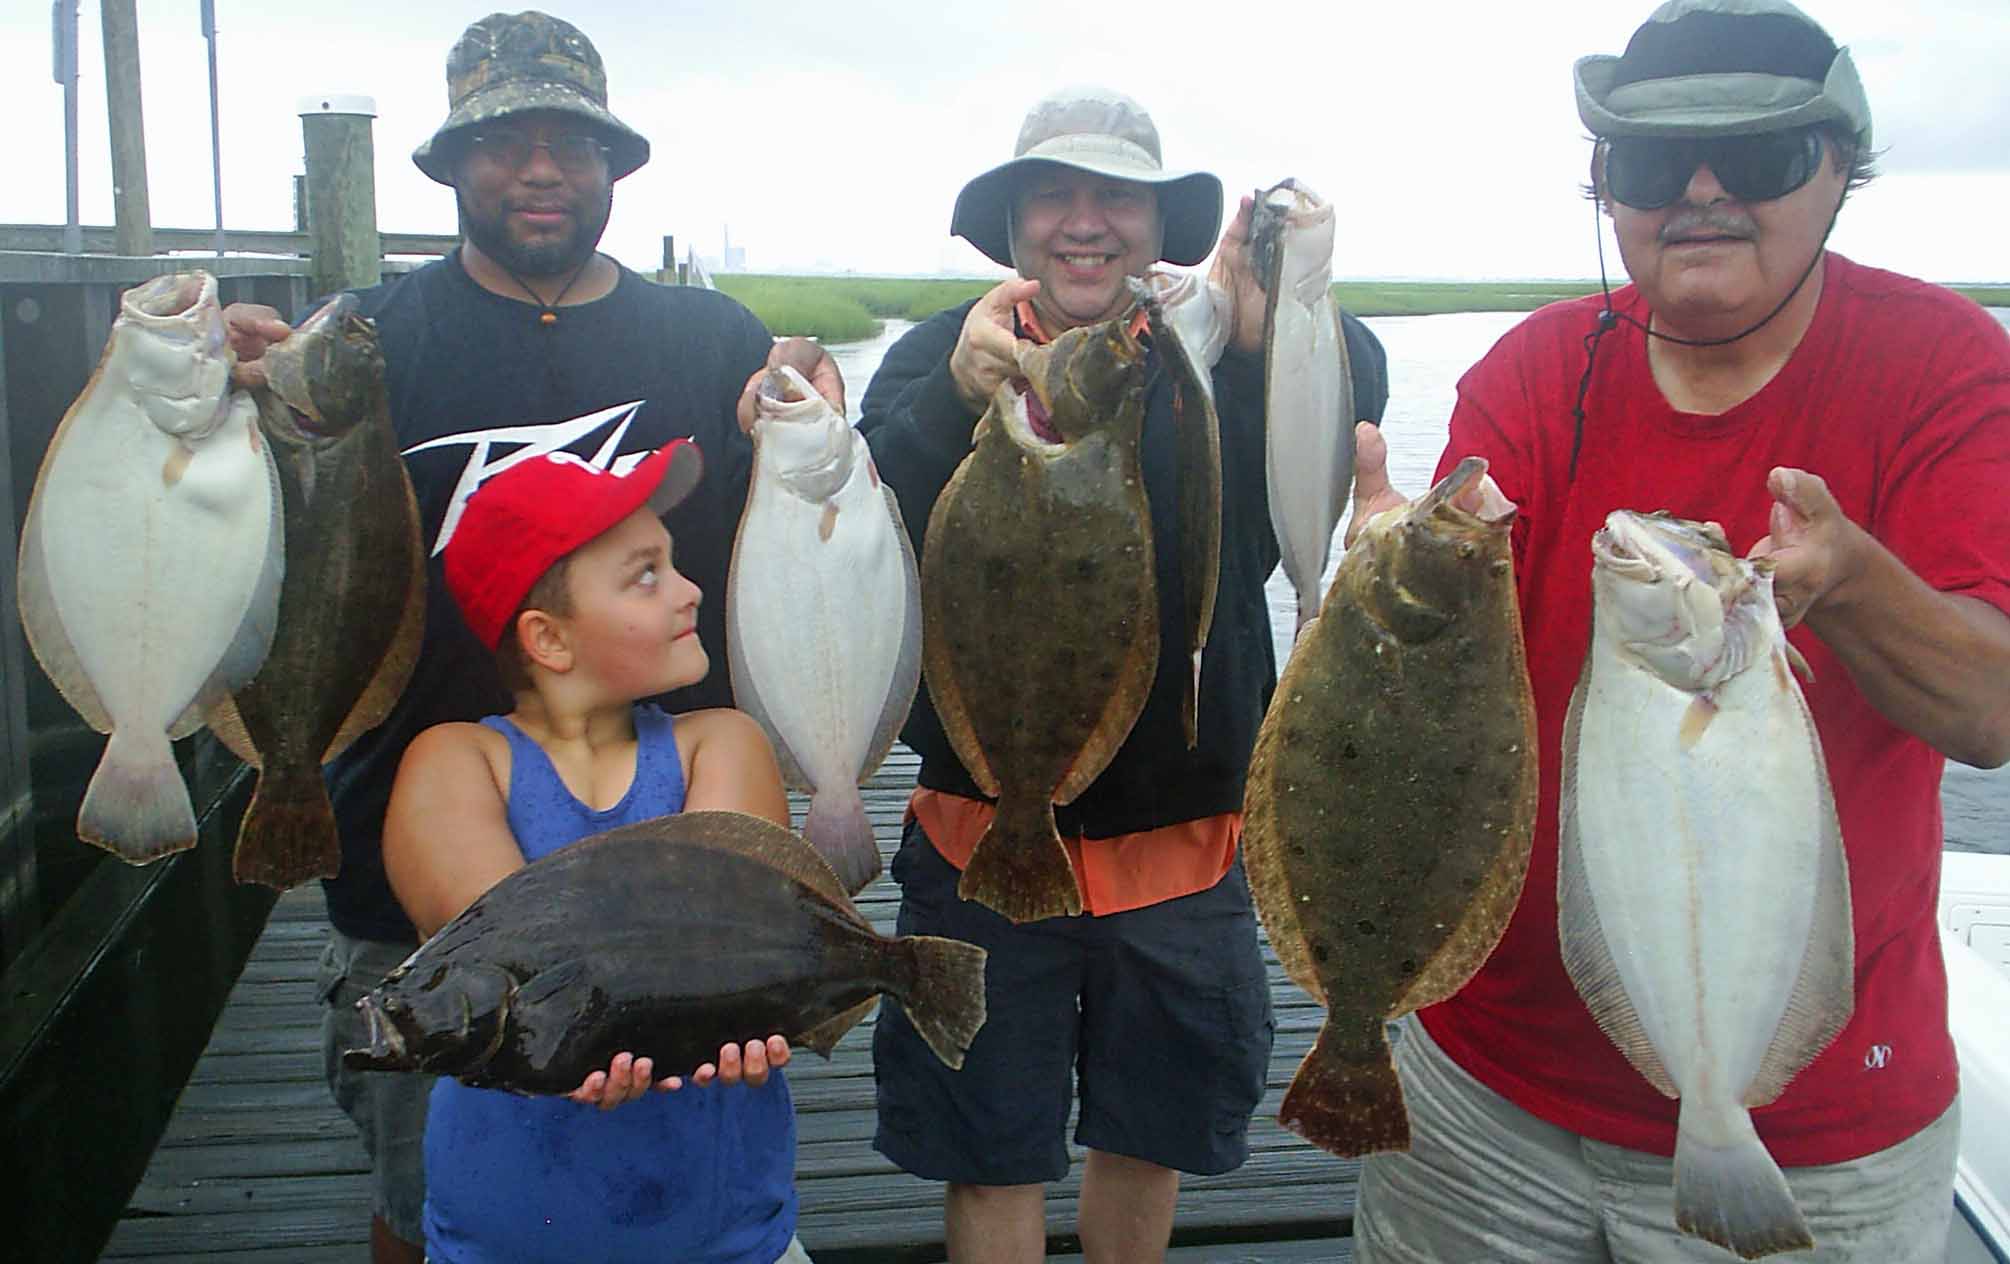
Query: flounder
(152, 556)
(1040, 606)
(667, 938)
(1392, 796)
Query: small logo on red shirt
(1877, 1058)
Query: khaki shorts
(1485, 1181)
(387, 1107)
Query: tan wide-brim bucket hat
(1702, 68)
(1108, 134)
(512, 63)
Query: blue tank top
(702, 1174)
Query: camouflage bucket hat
(1703, 68)
(510, 63)
(1099, 131)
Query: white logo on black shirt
(530, 442)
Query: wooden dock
(258, 1166)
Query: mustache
(1706, 221)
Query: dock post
(133, 228)
(20, 898)
(341, 191)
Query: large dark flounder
(1199, 437)
(1039, 605)
(1391, 799)
(353, 604)
(668, 939)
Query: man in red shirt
(1853, 425)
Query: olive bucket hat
(510, 63)
(1108, 134)
(1703, 68)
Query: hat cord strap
(547, 313)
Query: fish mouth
(386, 1047)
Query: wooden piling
(341, 190)
(20, 897)
(129, 141)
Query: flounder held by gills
(823, 614)
(668, 939)
(1308, 384)
(152, 556)
(1703, 894)
(1392, 796)
(1184, 318)
(1040, 607)
(353, 605)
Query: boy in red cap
(564, 570)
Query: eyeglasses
(574, 152)
(1649, 172)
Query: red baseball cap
(520, 522)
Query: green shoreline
(846, 308)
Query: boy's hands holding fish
(627, 1078)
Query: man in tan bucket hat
(525, 341)
(1152, 1007)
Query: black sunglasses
(574, 152)
(1649, 172)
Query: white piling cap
(338, 103)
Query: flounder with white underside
(152, 556)
(823, 614)
(1703, 894)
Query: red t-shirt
(1898, 396)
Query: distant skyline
(834, 137)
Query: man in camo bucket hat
(1848, 426)
(1153, 1007)
(516, 63)
(528, 340)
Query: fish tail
(1728, 1190)
(839, 829)
(288, 834)
(1020, 867)
(944, 995)
(1344, 1105)
(136, 805)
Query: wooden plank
(99, 239)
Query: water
(1426, 356)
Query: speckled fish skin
(1188, 351)
(1702, 890)
(352, 609)
(823, 614)
(151, 556)
(1308, 384)
(1391, 799)
(667, 939)
(1040, 607)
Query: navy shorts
(1161, 1016)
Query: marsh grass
(846, 308)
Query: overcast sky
(834, 135)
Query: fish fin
(43, 621)
(1128, 694)
(1824, 995)
(401, 652)
(943, 995)
(1799, 662)
(739, 834)
(1019, 867)
(747, 697)
(288, 833)
(839, 829)
(1189, 704)
(907, 666)
(544, 1009)
(1696, 719)
(823, 1037)
(1344, 1106)
(1263, 846)
(227, 724)
(1587, 957)
(136, 806)
(1729, 1191)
